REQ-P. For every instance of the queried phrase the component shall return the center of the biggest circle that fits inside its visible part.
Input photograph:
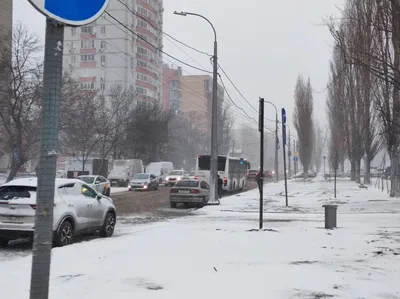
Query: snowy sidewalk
(217, 254)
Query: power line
(137, 35)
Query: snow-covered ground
(118, 189)
(221, 254)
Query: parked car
(190, 192)
(251, 174)
(144, 182)
(175, 176)
(78, 209)
(97, 182)
(268, 174)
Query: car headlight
(179, 178)
(167, 178)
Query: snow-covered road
(218, 254)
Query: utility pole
(214, 116)
(284, 152)
(294, 158)
(261, 183)
(289, 155)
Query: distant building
(171, 88)
(6, 14)
(105, 53)
(196, 99)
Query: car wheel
(173, 205)
(64, 235)
(108, 227)
(4, 242)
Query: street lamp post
(276, 141)
(214, 118)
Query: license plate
(184, 191)
(11, 219)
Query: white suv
(78, 209)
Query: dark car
(251, 174)
(268, 174)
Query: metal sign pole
(43, 237)
(261, 177)
(284, 151)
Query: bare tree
(20, 97)
(113, 114)
(147, 133)
(225, 125)
(79, 137)
(369, 40)
(319, 145)
(303, 121)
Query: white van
(160, 169)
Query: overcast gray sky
(263, 45)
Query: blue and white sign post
(284, 151)
(58, 14)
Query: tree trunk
(334, 184)
(342, 166)
(395, 175)
(353, 170)
(358, 171)
(367, 170)
(305, 172)
(15, 166)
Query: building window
(89, 57)
(103, 44)
(103, 30)
(142, 24)
(142, 37)
(142, 51)
(141, 90)
(142, 11)
(87, 72)
(142, 64)
(87, 29)
(103, 58)
(103, 86)
(88, 44)
(73, 31)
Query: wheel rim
(110, 224)
(66, 235)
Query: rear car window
(10, 192)
(189, 184)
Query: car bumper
(139, 188)
(186, 199)
(14, 234)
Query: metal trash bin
(330, 216)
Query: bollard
(330, 216)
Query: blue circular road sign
(71, 12)
(295, 158)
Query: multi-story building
(106, 53)
(196, 99)
(171, 88)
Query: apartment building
(106, 54)
(171, 87)
(196, 99)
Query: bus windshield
(205, 163)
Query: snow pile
(218, 254)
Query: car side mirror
(98, 197)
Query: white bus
(232, 170)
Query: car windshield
(10, 192)
(141, 176)
(176, 172)
(188, 184)
(87, 179)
